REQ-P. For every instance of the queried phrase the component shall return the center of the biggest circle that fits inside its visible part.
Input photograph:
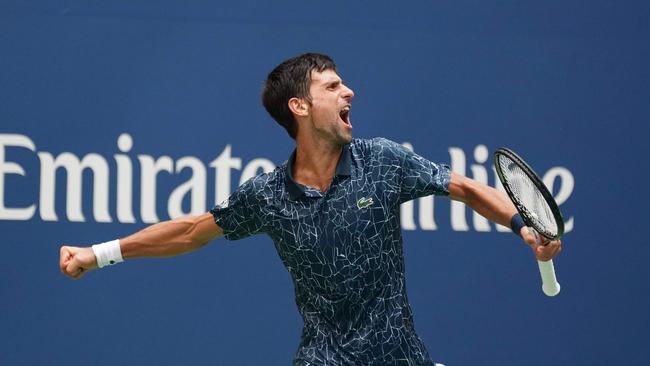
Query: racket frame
(523, 211)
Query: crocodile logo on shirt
(364, 202)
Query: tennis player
(332, 211)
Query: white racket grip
(550, 286)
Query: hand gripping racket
(535, 204)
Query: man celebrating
(332, 211)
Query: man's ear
(299, 106)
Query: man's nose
(347, 92)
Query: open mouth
(345, 116)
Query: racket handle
(550, 286)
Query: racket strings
(528, 197)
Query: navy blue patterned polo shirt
(343, 249)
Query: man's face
(330, 107)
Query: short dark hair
(290, 79)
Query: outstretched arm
(497, 207)
(165, 239)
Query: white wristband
(108, 253)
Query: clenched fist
(76, 261)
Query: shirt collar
(296, 190)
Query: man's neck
(315, 164)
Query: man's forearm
(171, 238)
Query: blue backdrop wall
(119, 86)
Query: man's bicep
(487, 201)
(459, 187)
(206, 228)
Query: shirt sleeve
(241, 215)
(416, 175)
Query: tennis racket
(535, 204)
